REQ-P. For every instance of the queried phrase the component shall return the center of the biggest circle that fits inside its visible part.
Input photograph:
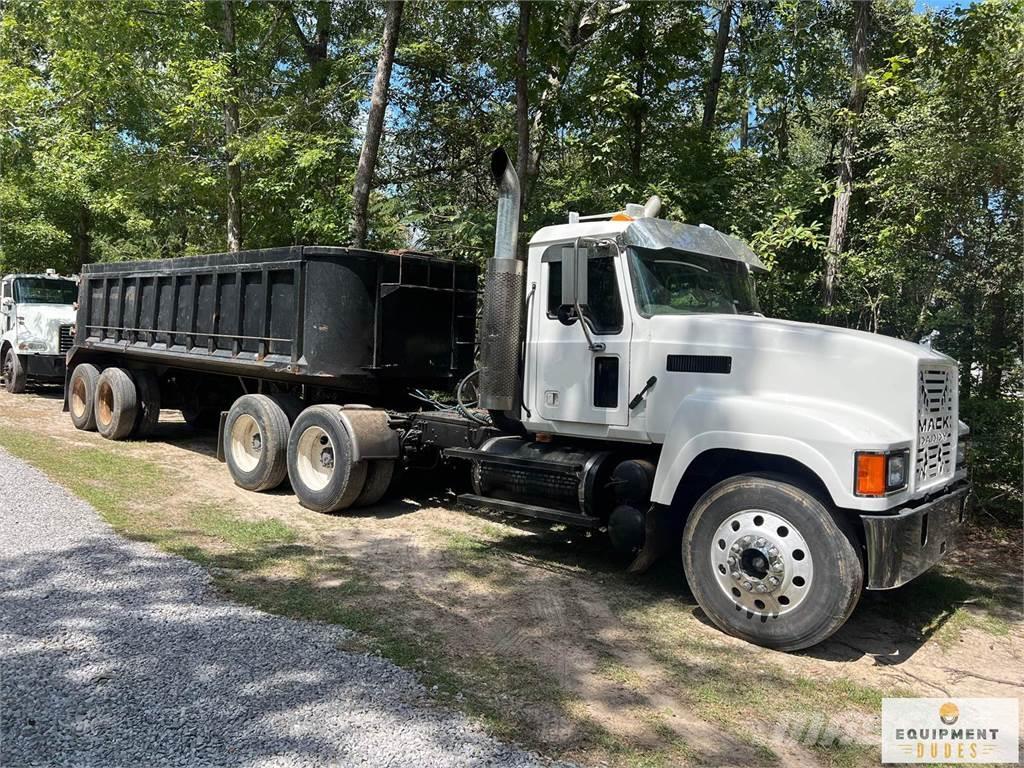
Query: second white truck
(37, 314)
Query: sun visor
(659, 234)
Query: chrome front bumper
(901, 547)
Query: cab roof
(656, 234)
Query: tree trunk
(234, 170)
(741, 71)
(375, 122)
(965, 356)
(83, 237)
(992, 370)
(315, 48)
(578, 29)
(522, 104)
(638, 108)
(715, 80)
(844, 182)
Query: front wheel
(768, 562)
(15, 378)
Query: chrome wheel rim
(761, 562)
(314, 458)
(246, 442)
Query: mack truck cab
(37, 314)
(795, 464)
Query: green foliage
(112, 145)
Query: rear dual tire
(256, 442)
(82, 396)
(321, 468)
(116, 405)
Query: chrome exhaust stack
(501, 327)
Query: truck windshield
(45, 290)
(669, 282)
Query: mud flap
(661, 531)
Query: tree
(522, 93)
(375, 122)
(234, 169)
(717, 61)
(844, 182)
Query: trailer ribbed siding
(340, 317)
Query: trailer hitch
(661, 531)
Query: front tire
(320, 466)
(256, 443)
(15, 377)
(770, 563)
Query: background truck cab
(37, 315)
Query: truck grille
(65, 339)
(936, 425)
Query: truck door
(573, 382)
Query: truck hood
(763, 334)
(43, 321)
(873, 379)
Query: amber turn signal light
(870, 474)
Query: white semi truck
(627, 383)
(37, 314)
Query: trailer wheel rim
(315, 458)
(78, 399)
(762, 562)
(104, 404)
(246, 442)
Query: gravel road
(113, 653)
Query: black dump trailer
(335, 318)
(329, 340)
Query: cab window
(604, 306)
(45, 290)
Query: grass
(267, 563)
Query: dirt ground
(619, 669)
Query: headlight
(896, 476)
(961, 453)
(878, 473)
(32, 346)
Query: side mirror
(6, 304)
(574, 275)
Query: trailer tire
(379, 473)
(15, 377)
(148, 387)
(116, 404)
(256, 443)
(749, 530)
(82, 396)
(320, 466)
